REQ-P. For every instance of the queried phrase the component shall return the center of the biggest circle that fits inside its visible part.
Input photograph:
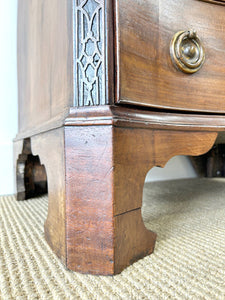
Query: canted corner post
(104, 184)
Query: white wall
(178, 167)
(8, 92)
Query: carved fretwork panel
(89, 52)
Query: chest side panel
(45, 61)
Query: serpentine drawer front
(146, 73)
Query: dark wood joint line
(126, 212)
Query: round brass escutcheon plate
(187, 52)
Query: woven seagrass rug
(188, 262)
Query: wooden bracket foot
(96, 168)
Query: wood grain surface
(145, 73)
(45, 61)
(40, 168)
(49, 146)
(94, 232)
(122, 116)
(89, 203)
(106, 168)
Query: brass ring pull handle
(187, 52)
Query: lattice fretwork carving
(89, 53)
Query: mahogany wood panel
(99, 240)
(145, 73)
(89, 203)
(137, 151)
(132, 240)
(49, 146)
(45, 61)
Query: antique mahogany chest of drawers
(107, 90)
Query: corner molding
(121, 116)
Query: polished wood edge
(133, 117)
(117, 55)
(165, 107)
(51, 124)
(220, 2)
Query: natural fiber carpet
(188, 262)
